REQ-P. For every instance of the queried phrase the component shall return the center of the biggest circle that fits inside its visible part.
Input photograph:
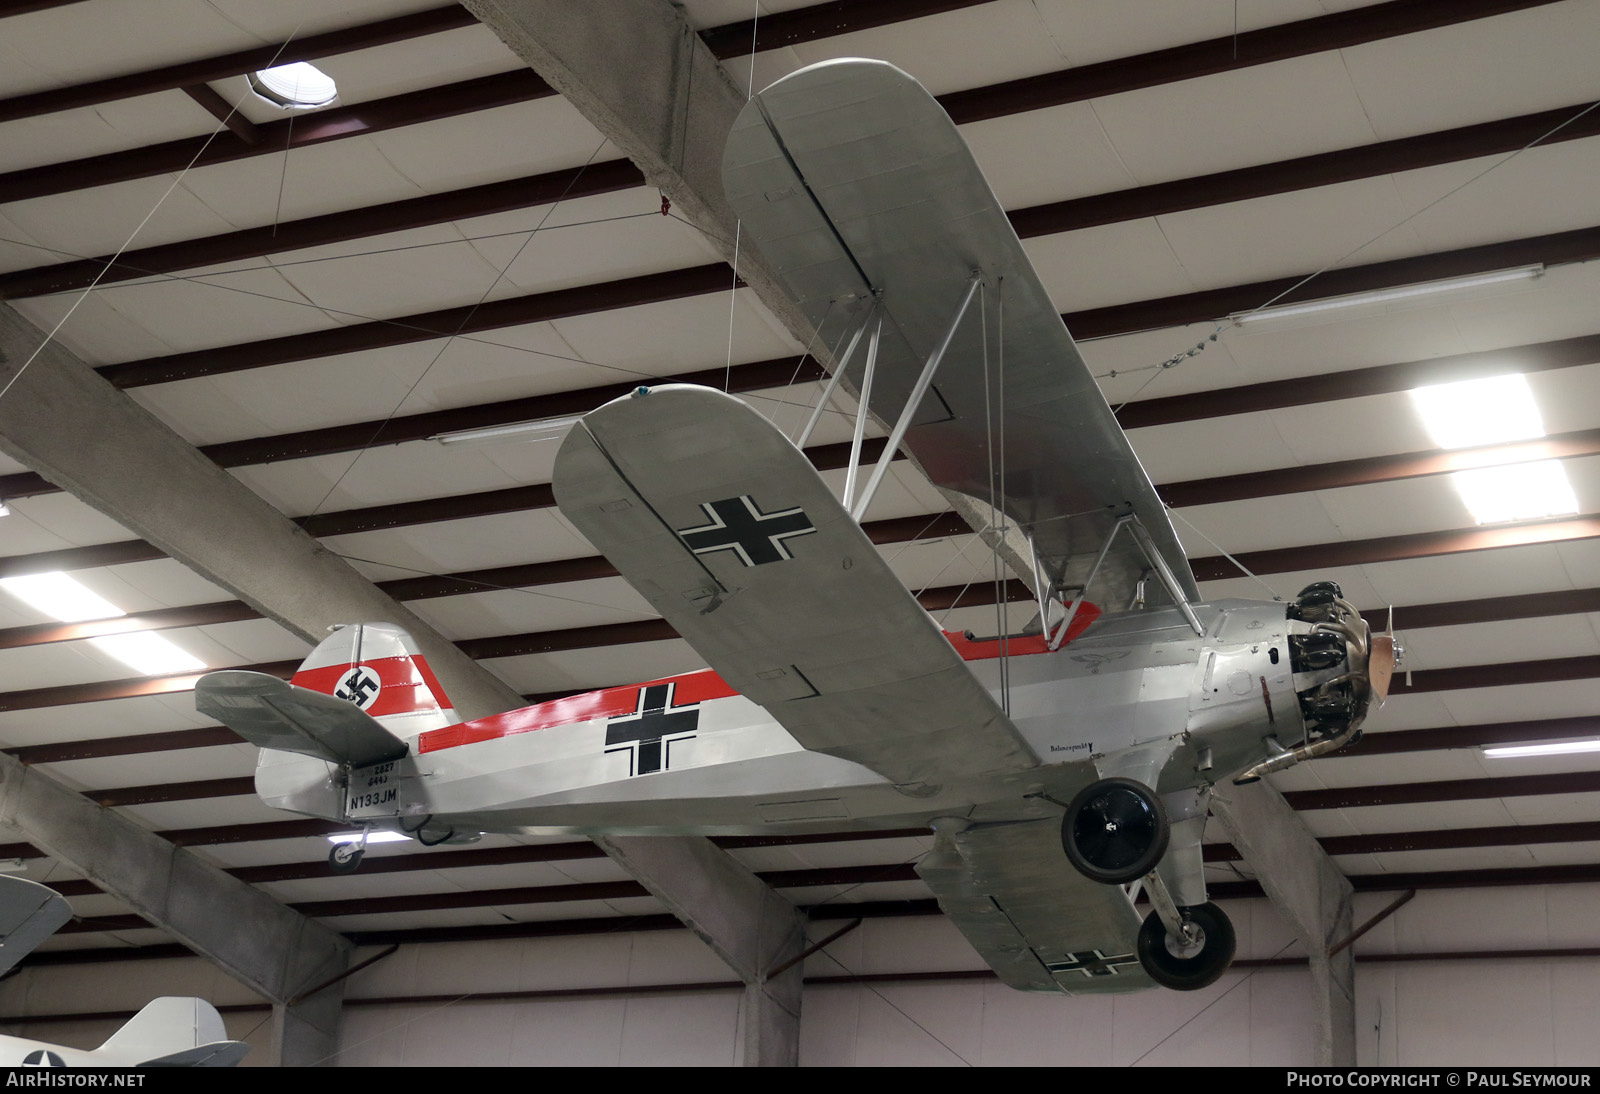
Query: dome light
(294, 86)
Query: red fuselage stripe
(406, 684)
(694, 687)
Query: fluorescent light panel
(1520, 491)
(67, 600)
(1496, 410)
(372, 837)
(1385, 296)
(1557, 748)
(542, 429)
(60, 597)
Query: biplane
(1062, 770)
(171, 1031)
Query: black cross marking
(356, 686)
(1093, 963)
(652, 728)
(739, 525)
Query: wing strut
(914, 400)
(838, 374)
(1142, 537)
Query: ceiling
(283, 281)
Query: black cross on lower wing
(1093, 963)
(649, 730)
(739, 525)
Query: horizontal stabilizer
(216, 1054)
(270, 713)
(29, 914)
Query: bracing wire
(112, 261)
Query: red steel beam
(1325, 556)
(1333, 475)
(1358, 382)
(1364, 161)
(1561, 247)
(1579, 245)
(568, 183)
(628, 292)
(172, 77)
(331, 124)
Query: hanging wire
(450, 339)
(177, 180)
(1242, 567)
(1179, 358)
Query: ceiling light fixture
(540, 429)
(1496, 410)
(1387, 296)
(1469, 413)
(67, 600)
(1557, 748)
(372, 837)
(297, 86)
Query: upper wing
(273, 713)
(1041, 925)
(730, 533)
(29, 914)
(853, 181)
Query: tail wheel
(1187, 964)
(1115, 831)
(345, 857)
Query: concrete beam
(72, 427)
(744, 922)
(1313, 895)
(266, 946)
(669, 108)
(60, 418)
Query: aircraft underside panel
(1039, 924)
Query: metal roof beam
(1262, 180)
(1360, 552)
(331, 124)
(1579, 245)
(173, 77)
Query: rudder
(378, 667)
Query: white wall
(1511, 1011)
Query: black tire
(345, 858)
(1188, 972)
(1115, 831)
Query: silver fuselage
(1138, 692)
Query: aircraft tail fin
(176, 1032)
(379, 668)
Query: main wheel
(345, 857)
(1187, 966)
(1115, 831)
